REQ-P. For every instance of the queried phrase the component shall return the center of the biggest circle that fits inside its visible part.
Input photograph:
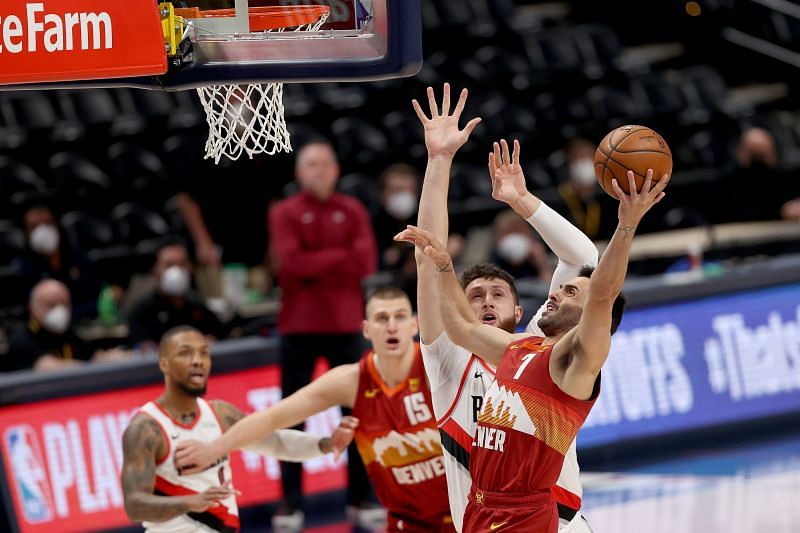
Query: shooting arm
(284, 444)
(141, 444)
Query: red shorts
(488, 512)
(440, 524)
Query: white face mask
(401, 205)
(514, 248)
(582, 171)
(174, 281)
(44, 239)
(57, 320)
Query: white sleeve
(572, 247)
(288, 445)
(443, 359)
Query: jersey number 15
(416, 408)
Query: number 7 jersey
(399, 442)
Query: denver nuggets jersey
(527, 424)
(205, 428)
(399, 443)
(459, 380)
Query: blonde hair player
(545, 385)
(459, 379)
(396, 434)
(155, 491)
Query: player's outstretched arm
(460, 322)
(142, 442)
(572, 247)
(443, 138)
(289, 444)
(588, 344)
(338, 386)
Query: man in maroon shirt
(323, 246)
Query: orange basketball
(635, 148)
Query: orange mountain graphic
(400, 449)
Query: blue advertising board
(700, 363)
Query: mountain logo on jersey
(413, 384)
(29, 473)
(505, 408)
(400, 449)
(371, 393)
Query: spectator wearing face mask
(50, 255)
(758, 162)
(399, 198)
(517, 250)
(46, 341)
(578, 198)
(172, 303)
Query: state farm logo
(52, 32)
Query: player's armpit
(142, 444)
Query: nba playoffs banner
(695, 364)
(62, 458)
(64, 40)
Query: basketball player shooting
(545, 386)
(155, 491)
(396, 435)
(458, 378)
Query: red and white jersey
(205, 428)
(398, 440)
(527, 424)
(459, 380)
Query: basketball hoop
(249, 119)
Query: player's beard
(508, 324)
(194, 392)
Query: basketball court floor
(731, 488)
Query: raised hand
(427, 244)
(343, 435)
(192, 456)
(508, 180)
(633, 206)
(442, 136)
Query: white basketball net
(247, 118)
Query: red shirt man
(323, 246)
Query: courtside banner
(62, 458)
(678, 367)
(65, 40)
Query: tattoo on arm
(142, 443)
(627, 229)
(448, 268)
(228, 413)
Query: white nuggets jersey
(205, 428)
(458, 382)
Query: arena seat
(81, 183)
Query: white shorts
(578, 524)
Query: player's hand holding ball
(631, 148)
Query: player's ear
(162, 364)
(364, 329)
(518, 312)
(415, 325)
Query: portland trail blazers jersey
(205, 428)
(399, 443)
(459, 380)
(527, 424)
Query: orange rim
(265, 18)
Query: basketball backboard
(107, 43)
